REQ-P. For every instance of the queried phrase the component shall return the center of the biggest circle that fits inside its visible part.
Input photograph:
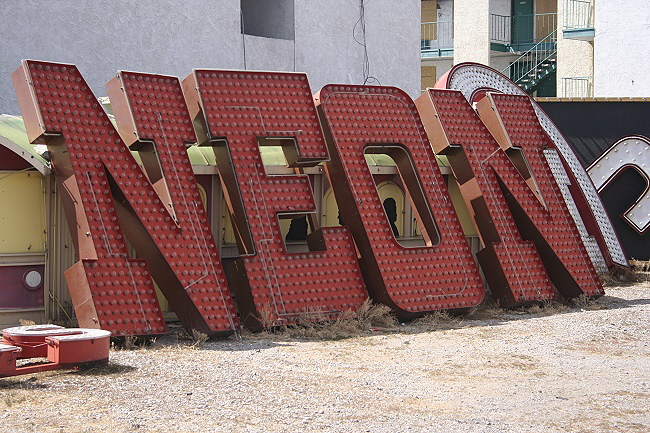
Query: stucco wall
(269, 54)
(621, 49)
(326, 49)
(171, 37)
(501, 62)
(575, 58)
(472, 31)
(102, 36)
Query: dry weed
(266, 317)
(194, 340)
(198, 338)
(554, 306)
(625, 275)
(586, 303)
(374, 315)
(130, 342)
(316, 324)
(437, 320)
(488, 310)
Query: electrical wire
(367, 78)
(243, 35)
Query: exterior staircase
(534, 66)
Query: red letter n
(101, 179)
(517, 206)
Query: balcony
(578, 20)
(578, 87)
(520, 33)
(437, 39)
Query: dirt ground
(578, 368)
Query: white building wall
(501, 62)
(172, 37)
(472, 31)
(326, 49)
(575, 59)
(622, 48)
(103, 36)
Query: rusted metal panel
(239, 111)
(474, 81)
(441, 275)
(551, 228)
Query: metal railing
(578, 87)
(534, 62)
(578, 14)
(437, 37)
(525, 29)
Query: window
(268, 18)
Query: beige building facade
(563, 48)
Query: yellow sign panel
(22, 213)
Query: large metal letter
(587, 211)
(241, 110)
(440, 275)
(630, 152)
(100, 179)
(511, 199)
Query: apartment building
(563, 48)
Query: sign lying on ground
(506, 165)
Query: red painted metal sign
(103, 181)
(241, 110)
(440, 275)
(63, 348)
(517, 206)
(513, 198)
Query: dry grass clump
(320, 325)
(488, 310)
(437, 320)
(132, 342)
(548, 307)
(586, 303)
(617, 275)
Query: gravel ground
(579, 369)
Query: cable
(367, 78)
(243, 35)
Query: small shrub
(199, 339)
(316, 324)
